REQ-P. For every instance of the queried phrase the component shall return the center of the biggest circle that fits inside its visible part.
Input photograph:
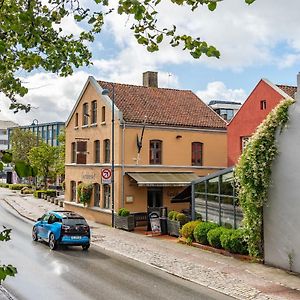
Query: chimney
(150, 79)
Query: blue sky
(257, 41)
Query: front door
(155, 197)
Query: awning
(184, 196)
(162, 179)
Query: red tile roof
(163, 106)
(288, 89)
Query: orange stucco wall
(176, 157)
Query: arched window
(106, 146)
(85, 114)
(94, 112)
(96, 194)
(106, 196)
(97, 151)
(197, 154)
(73, 190)
(155, 152)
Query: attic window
(263, 104)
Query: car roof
(66, 214)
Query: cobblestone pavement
(239, 279)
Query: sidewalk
(239, 279)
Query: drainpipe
(122, 163)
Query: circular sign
(106, 174)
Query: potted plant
(175, 221)
(124, 220)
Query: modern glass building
(48, 132)
(214, 198)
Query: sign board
(155, 223)
(106, 176)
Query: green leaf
(159, 38)
(212, 6)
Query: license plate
(75, 237)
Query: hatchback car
(62, 228)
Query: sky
(257, 41)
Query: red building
(264, 97)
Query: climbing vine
(253, 173)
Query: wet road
(74, 274)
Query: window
(106, 196)
(81, 152)
(85, 114)
(103, 114)
(76, 120)
(94, 112)
(3, 131)
(73, 152)
(106, 151)
(73, 191)
(155, 152)
(97, 151)
(244, 141)
(96, 194)
(3, 142)
(197, 154)
(263, 104)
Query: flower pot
(126, 223)
(173, 227)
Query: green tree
(59, 166)
(43, 159)
(31, 35)
(6, 270)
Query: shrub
(51, 193)
(4, 185)
(214, 235)
(233, 240)
(18, 187)
(187, 231)
(172, 215)
(37, 193)
(28, 192)
(182, 218)
(123, 212)
(86, 193)
(201, 230)
(198, 216)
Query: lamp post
(105, 92)
(35, 122)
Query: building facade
(264, 97)
(47, 132)
(4, 133)
(163, 139)
(226, 109)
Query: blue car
(62, 228)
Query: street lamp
(35, 122)
(106, 92)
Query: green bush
(233, 240)
(123, 212)
(214, 235)
(201, 230)
(187, 230)
(198, 216)
(51, 193)
(182, 218)
(18, 187)
(28, 192)
(4, 185)
(172, 214)
(37, 193)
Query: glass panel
(200, 187)
(200, 206)
(238, 214)
(213, 209)
(227, 184)
(212, 185)
(227, 212)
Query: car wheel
(85, 247)
(34, 234)
(52, 242)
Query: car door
(41, 227)
(48, 226)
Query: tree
(59, 166)
(43, 158)
(6, 270)
(31, 35)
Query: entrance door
(155, 197)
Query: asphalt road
(74, 274)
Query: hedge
(201, 230)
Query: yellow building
(163, 139)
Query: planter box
(173, 227)
(126, 223)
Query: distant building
(4, 125)
(226, 109)
(48, 132)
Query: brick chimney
(150, 79)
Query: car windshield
(73, 222)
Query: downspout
(122, 162)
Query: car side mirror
(39, 219)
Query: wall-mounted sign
(88, 176)
(106, 176)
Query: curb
(22, 215)
(5, 294)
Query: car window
(53, 219)
(45, 217)
(73, 222)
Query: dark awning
(184, 196)
(162, 179)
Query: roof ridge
(142, 86)
(293, 86)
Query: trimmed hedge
(233, 240)
(4, 185)
(172, 215)
(201, 230)
(123, 212)
(187, 231)
(51, 193)
(28, 192)
(214, 237)
(18, 186)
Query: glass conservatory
(213, 197)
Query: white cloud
(217, 90)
